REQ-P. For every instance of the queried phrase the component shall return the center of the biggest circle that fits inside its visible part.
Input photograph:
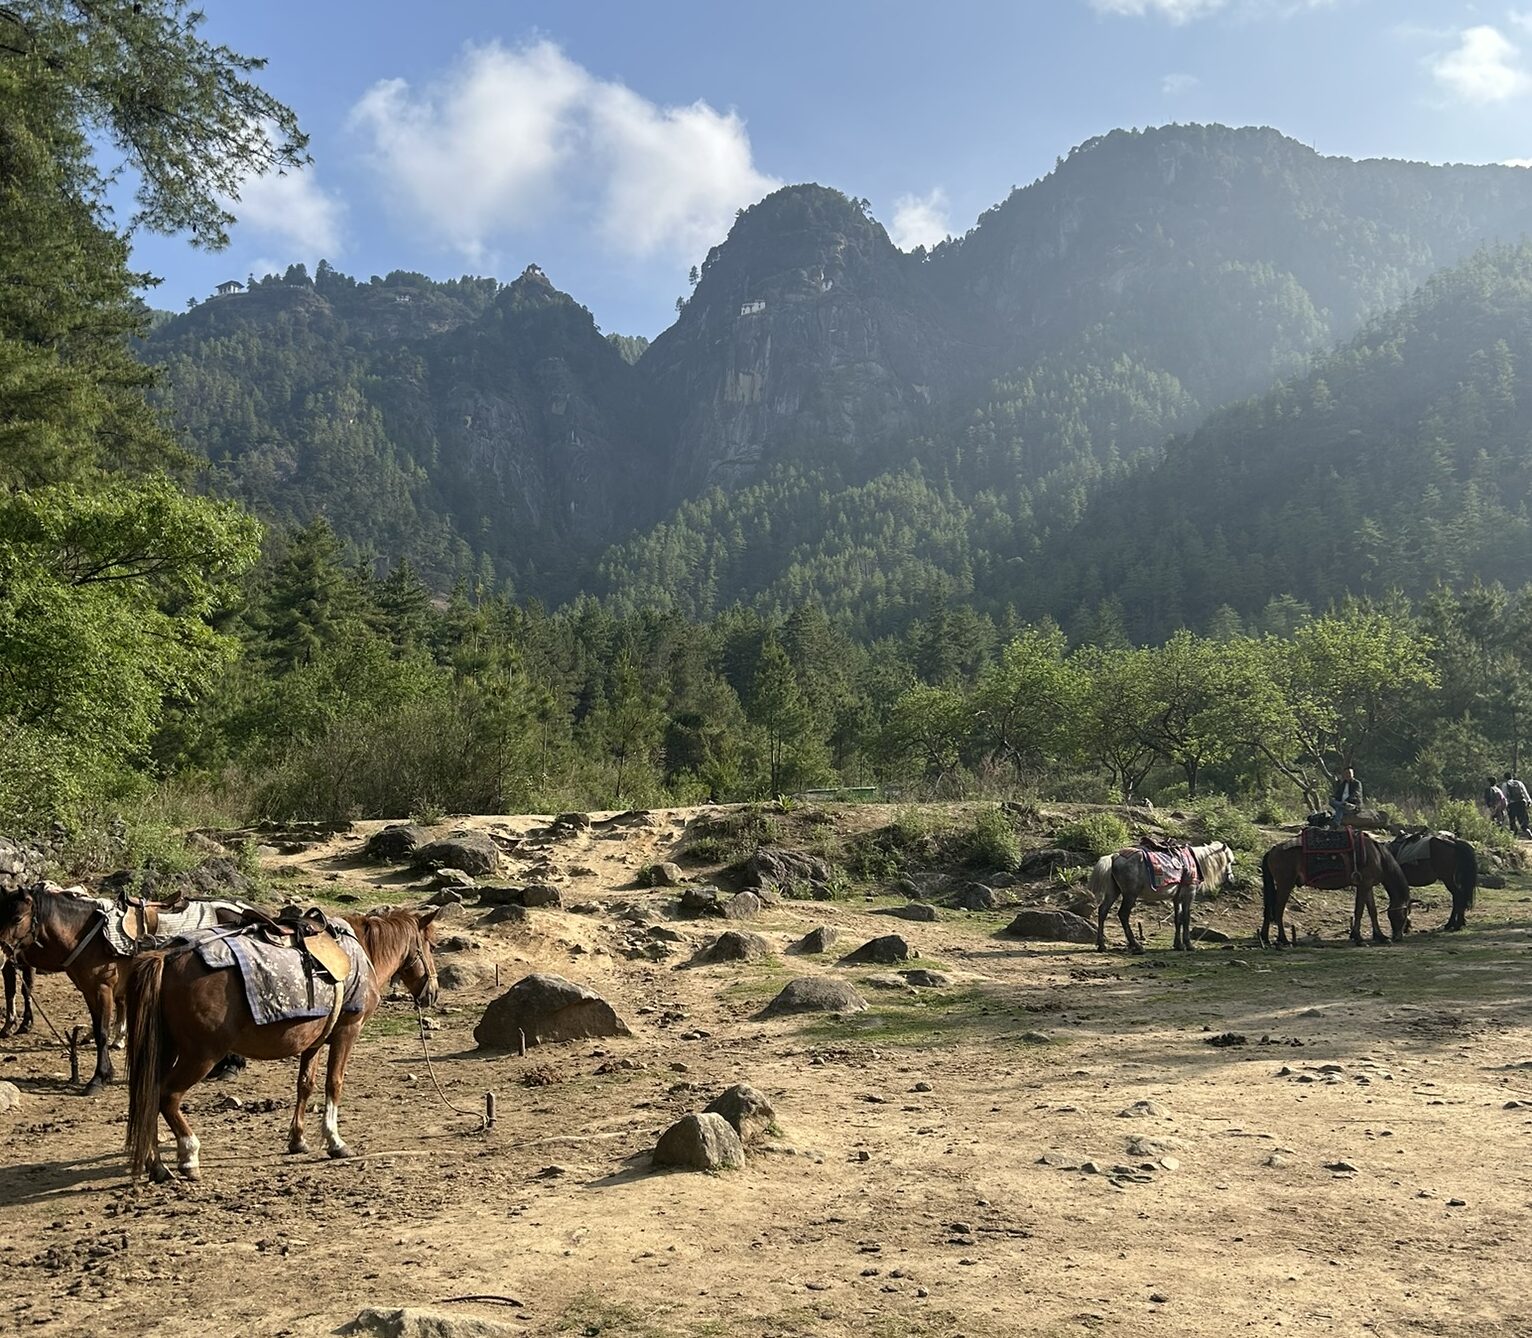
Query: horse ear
(425, 918)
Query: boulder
(456, 943)
(502, 915)
(750, 1113)
(448, 896)
(500, 896)
(410, 1322)
(1207, 934)
(920, 978)
(454, 880)
(546, 1008)
(780, 870)
(10, 1096)
(696, 901)
(1052, 927)
(472, 852)
(666, 874)
(466, 973)
(916, 910)
(975, 897)
(395, 843)
(700, 1143)
(1047, 862)
(735, 945)
(742, 906)
(573, 822)
(882, 951)
(819, 939)
(541, 894)
(815, 994)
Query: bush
(992, 842)
(1470, 822)
(1096, 834)
(1216, 819)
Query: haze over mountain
(829, 416)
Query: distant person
(1346, 797)
(1494, 801)
(1516, 801)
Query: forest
(1081, 577)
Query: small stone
(1340, 1167)
(1170, 1163)
(1158, 1298)
(1144, 1110)
(1457, 1203)
(1276, 1161)
(921, 1087)
(10, 1096)
(1090, 1167)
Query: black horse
(1440, 857)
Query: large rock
(975, 897)
(789, 871)
(884, 950)
(397, 842)
(1046, 863)
(819, 939)
(409, 1322)
(19, 865)
(916, 910)
(815, 994)
(751, 1114)
(666, 874)
(472, 852)
(466, 973)
(735, 945)
(10, 1096)
(1052, 927)
(546, 1008)
(742, 906)
(702, 901)
(700, 1143)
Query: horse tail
(149, 1059)
(1099, 880)
(1271, 912)
(1467, 875)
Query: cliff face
(1173, 269)
(809, 333)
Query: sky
(612, 143)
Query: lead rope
(447, 1101)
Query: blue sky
(612, 142)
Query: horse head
(1222, 856)
(18, 911)
(417, 972)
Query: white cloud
(1175, 84)
(1522, 19)
(1177, 11)
(1517, 162)
(1484, 67)
(920, 220)
(514, 138)
(290, 208)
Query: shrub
(1095, 834)
(1216, 819)
(992, 841)
(1470, 822)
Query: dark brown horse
(1440, 857)
(183, 1016)
(58, 931)
(1281, 872)
(10, 971)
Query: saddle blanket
(1327, 856)
(172, 924)
(278, 984)
(1168, 869)
(1417, 849)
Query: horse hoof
(190, 1172)
(340, 1152)
(93, 1086)
(159, 1172)
(297, 1149)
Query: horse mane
(387, 932)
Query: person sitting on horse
(1494, 801)
(1346, 797)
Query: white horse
(1126, 875)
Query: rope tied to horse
(425, 1050)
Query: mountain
(1401, 460)
(828, 417)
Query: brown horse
(1448, 860)
(183, 1016)
(52, 929)
(1281, 873)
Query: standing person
(1494, 801)
(1516, 801)
(1346, 797)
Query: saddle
(1153, 841)
(305, 931)
(1328, 855)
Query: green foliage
(992, 841)
(1214, 818)
(1095, 834)
(1470, 822)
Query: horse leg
(1378, 936)
(100, 1000)
(1101, 914)
(1124, 913)
(307, 1063)
(187, 1071)
(9, 972)
(1184, 900)
(1457, 920)
(341, 1042)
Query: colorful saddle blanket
(1327, 856)
(1170, 869)
(282, 984)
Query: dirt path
(931, 1179)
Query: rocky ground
(1034, 1139)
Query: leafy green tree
(928, 728)
(1031, 702)
(778, 709)
(311, 602)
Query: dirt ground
(1361, 1163)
